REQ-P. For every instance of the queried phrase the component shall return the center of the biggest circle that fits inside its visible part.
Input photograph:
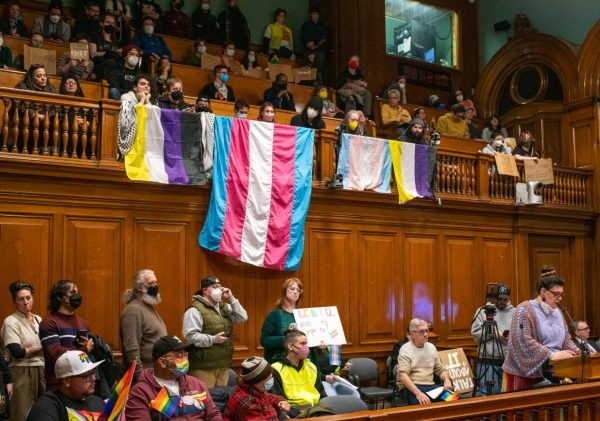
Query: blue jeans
(494, 373)
(412, 399)
(114, 93)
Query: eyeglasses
(89, 376)
(556, 294)
(583, 328)
(70, 82)
(295, 289)
(421, 332)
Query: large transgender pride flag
(262, 175)
(167, 148)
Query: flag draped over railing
(262, 175)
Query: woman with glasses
(20, 336)
(280, 318)
(538, 334)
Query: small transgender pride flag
(365, 163)
(262, 175)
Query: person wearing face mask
(278, 94)
(233, 25)
(204, 23)
(218, 88)
(311, 115)
(169, 372)
(399, 84)
(461, 99)
(314, 35)
(120, 77)
(175, 22)
(51, 26)
(153, 46)
(352, 88)
(525, 148)
(496, 145)
(173, 97)
(208, 325)
(104, 47)
(241, 108)
(251, 400)
(6, 59)
(203, 104)
(329, 108)
(296, 378)
(228, 57)
(122, 14)
(249, 61)
(266, 113)
(195, 58)
(140, 324)
(538, 334)
(11, 22)
(59, 329)
(164, 72)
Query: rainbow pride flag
(448, 395)
(115, 404)
(262, 175)
(364, 163)
(414, 167)
(167, 147)
(164, 403)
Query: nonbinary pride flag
(167, 147)
(262, 174)
(364, 163)
(414, 167)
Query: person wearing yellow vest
(208, 325)
(296, 378)
(278, 38)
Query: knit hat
(125, 50)
(74, 363)
(417, 121)
(316, 103)
(255, 370)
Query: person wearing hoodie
(311, 116)
(170, 368)
(490, 369)
(233, 25)
(208, 326)
(204, 23)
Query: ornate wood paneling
(420, 265)
(162, 246)
(93, 257)
(24, 240)
(459, 293)
(333, 274)
(379, 301)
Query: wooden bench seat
(91, 90)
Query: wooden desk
(582, 368)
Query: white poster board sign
(320, 324)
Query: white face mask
(230, 52)
(132, 61)
(402, 85)
(459, 98)
(497, 144)
(241, 115)
(251, 58)
(55, 19)
(216, 294)
(149, 29)
(311, 112)
(205, 6)
(201, 49)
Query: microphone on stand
(581, 345)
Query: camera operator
(501, 310)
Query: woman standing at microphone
(538, 334)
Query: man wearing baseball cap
(493, 362)
(208, 325)
(77, 375)
(190, 396)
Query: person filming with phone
(489, 363)
(208, 325)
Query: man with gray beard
(141, 325)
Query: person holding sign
(280, 319)
(76, 61)
(418, 361)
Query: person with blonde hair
(280, 319)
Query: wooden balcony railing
(82, 132)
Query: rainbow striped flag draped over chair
(167, 147)
(113, 409)
(262, 175)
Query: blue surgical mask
(241, 115)
(269, 384)
(224, 77)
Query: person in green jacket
(280, 318)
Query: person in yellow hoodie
(453, 123)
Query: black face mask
(202, 109)
(153, 291)
(75, 300)
(282, 86)
(177, 95)
(109, 29)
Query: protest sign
(459, 369)
(320, 324)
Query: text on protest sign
(320, 324)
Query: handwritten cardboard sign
(275, 69)
(506, 165)
(459, 369)
(32, 55)
(79, 51)
(304, 73)
(320, 324)
(256, 72)
(209, 61)
(539, 170)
